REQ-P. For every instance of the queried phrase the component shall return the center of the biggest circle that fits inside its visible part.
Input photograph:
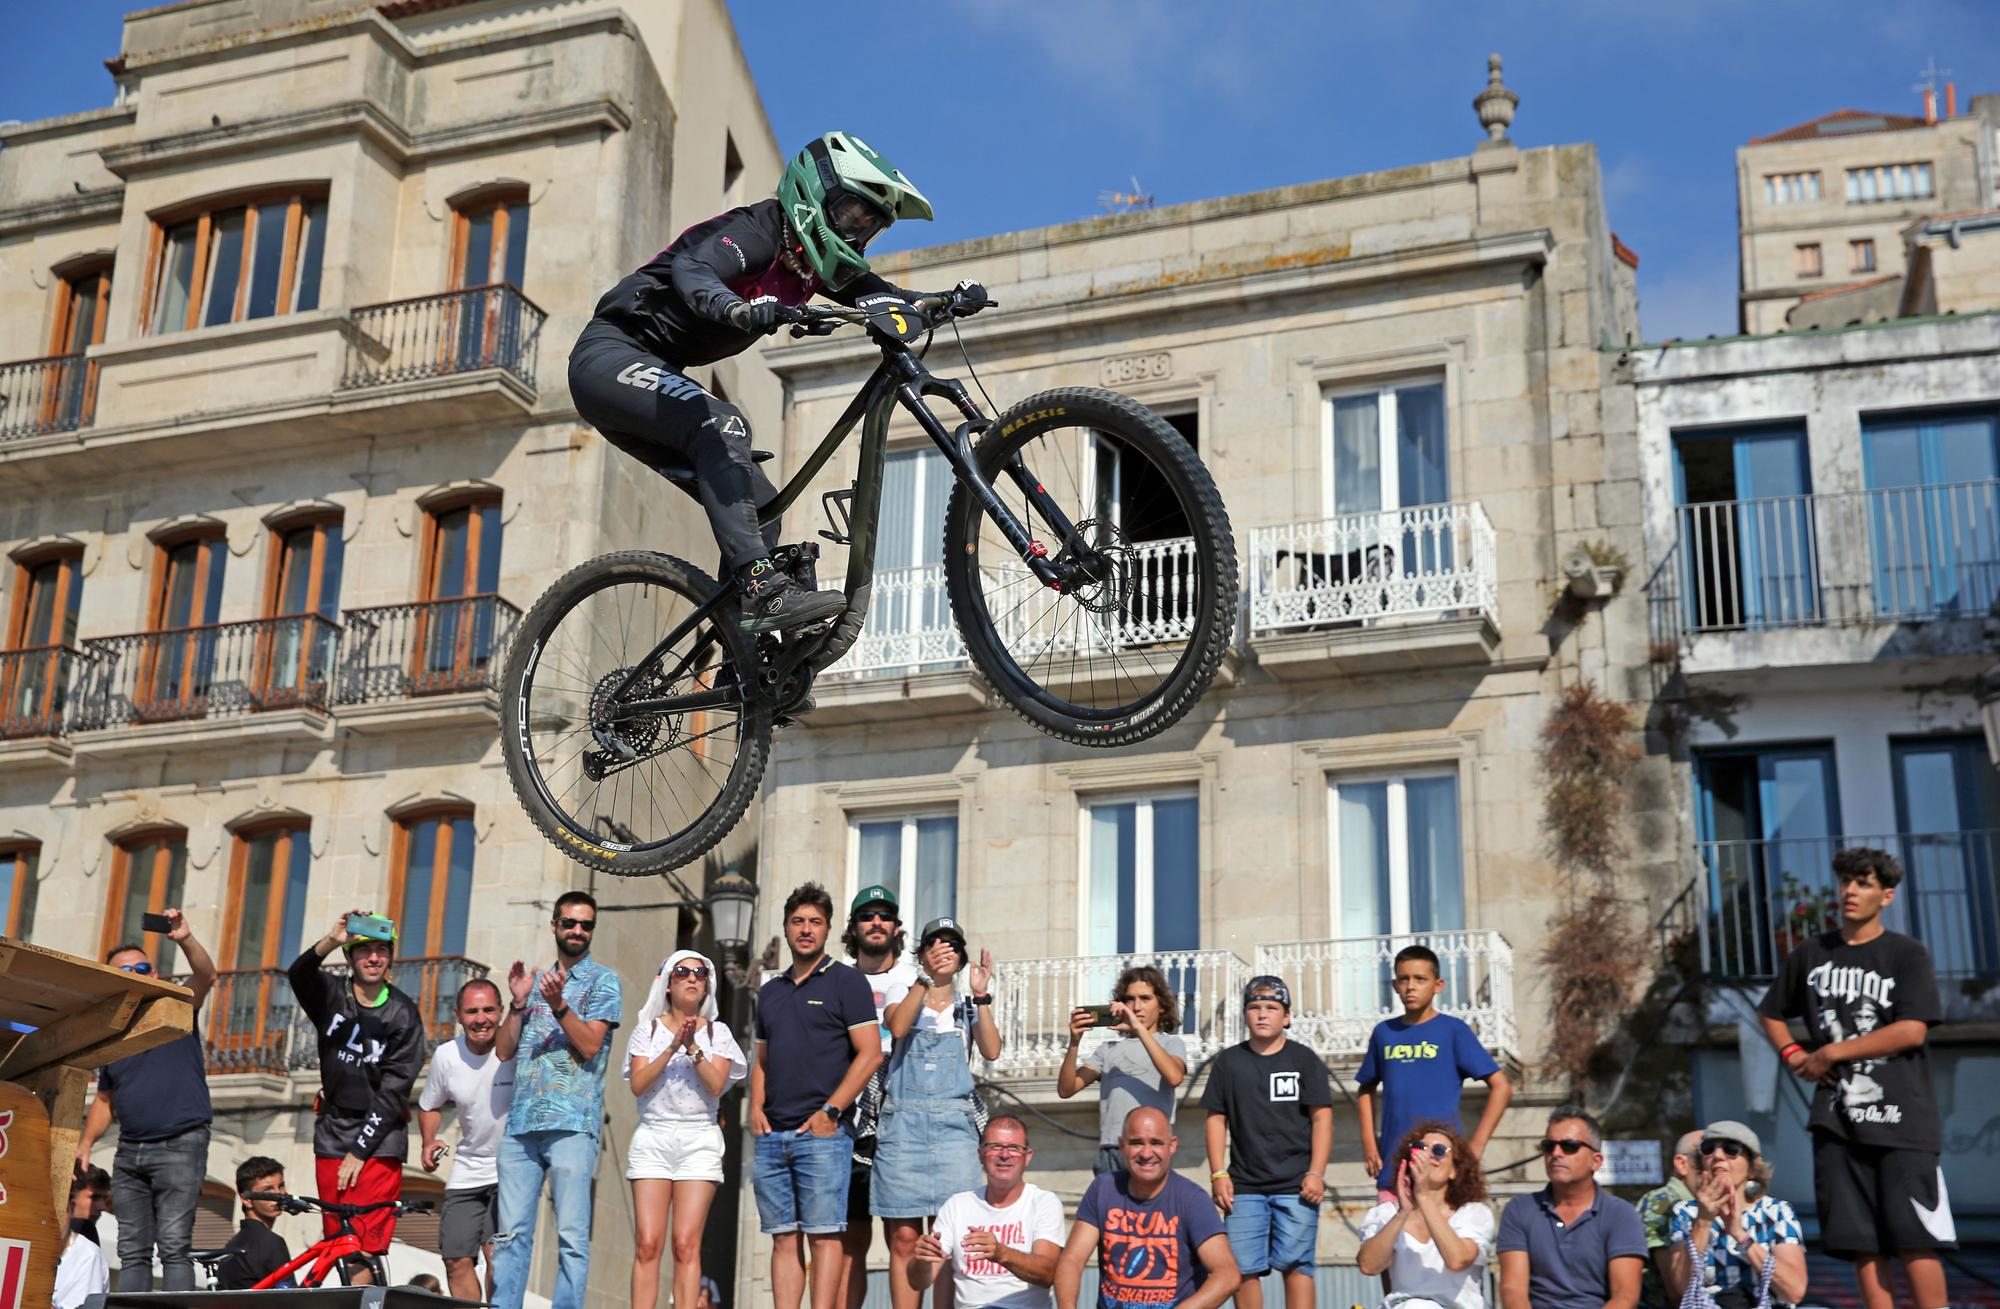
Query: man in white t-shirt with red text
(1002, 1242)
(467, 1071)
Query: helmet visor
(854, 220)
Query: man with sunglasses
(160, 1099)
(1571, 1245)
(1002, 1242)
(874, 940)
(558, 1032)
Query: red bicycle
(329, 1253)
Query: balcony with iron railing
(454, 332)
(39, 397)
(35, 689)
(1759, 899)
(1842, 577)
(424, 649)
(253, 1024)
(1396, 588)
(222, 670)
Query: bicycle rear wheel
(1124, 651)
(631, 792)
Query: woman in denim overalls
(927, 1147)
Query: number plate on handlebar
(894, 316)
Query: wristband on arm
(1785, 1054)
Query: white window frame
(1792, 188)
(1142, 859)
(906, 860)
(1399, 840)
(1386, 427)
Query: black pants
(652, 411)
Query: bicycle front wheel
(1124, 507)
(616, 781)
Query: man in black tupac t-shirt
(1270, 1103)
(1868, 997)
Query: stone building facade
(284, 452)
(1409, 355)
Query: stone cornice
(91, 206)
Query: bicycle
(326, 1255)
(1088, 565)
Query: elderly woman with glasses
(1435, 1239)
(1730, 1250)
(681, 1060)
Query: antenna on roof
(1124, 202)
(1928, 87)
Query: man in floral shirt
(1656, 1214)
(560, 1024)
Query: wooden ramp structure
(61, 1019)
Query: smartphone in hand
(1100, 1014)
(156, 923)
(373, 926)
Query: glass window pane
(138, 892)
(413, 919)
(1176, 875)
(177, 596)
(211, 596)
(169, 956)
(253, 910)
(1357, 455)
(295, 571)
(1437, 889)
(1422, 474)
(298, 880)
(1362, 811)
(896, 540)
(458, 891)
(267, 260)
(176, 277)
(880, 859)
(1113, 852)
(225, 266)
(82, 312)
(452, 532)
(476, 270)
(312, 246)
(937, 868)
(17, 877)
(331, 558)
(487, 581)
(516, 264)
(39, 626)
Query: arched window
(148, 875)
(236, 259)
(489, 238)
(430, 881)
(457, 627)
(269, 868)
(296, 649)
(41, 627)
(177, 658)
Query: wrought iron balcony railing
(1340, 988)
(253, 1022)
(437, 335)
(205, 672)
(40, 396)
(1427, 560)
(35, 689)
(426, 647)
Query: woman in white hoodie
(680, 1061)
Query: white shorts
(676, 1152)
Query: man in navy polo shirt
(160, 1099)
(1570, 1245)
(817, 1045)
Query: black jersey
(677, 305)
(368, 1062)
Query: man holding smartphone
(371, 1044)
(160, 1099)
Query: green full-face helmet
(838, 196)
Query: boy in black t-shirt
(256, 1251)
(1269, 1101)
(1868, 997)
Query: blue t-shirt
(554, 1091)
(1146, 1248)
(1421, 1068)
(1569, 1264)
(807, 1027)
(160, 1092)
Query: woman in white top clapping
(1435, 1239)
(680, 1061)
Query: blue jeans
(566, 1159)
(1273, 1231)
(801, 1182)
(155, 1186)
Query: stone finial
(1495, 105)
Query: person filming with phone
(371, 1047)
(1139, 1069)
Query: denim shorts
(1273, 1231)
(801, 1182)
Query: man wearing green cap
(371, 1046)
(874, 940)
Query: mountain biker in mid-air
(721, 285)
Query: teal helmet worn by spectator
(838, 195)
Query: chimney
(1951, 99)
(1930, 106)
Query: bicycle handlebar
(824, 320)
(299, 1204)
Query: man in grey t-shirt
(1140, 1068)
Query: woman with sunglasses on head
(1747, 1251)
(681, 1060)
(1435, 1239)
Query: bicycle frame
(899, 379)
(325, 1256)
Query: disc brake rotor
(1100, 567)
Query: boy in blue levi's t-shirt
(1416, 1067)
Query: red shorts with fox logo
(381, 1179)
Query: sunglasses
(1734, 1149)
(568, 924)
(142, 968)
(690, 970)
(1437, 1150)
(1005, 1151)
(1566, 1146)
(875, 916)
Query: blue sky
(1018, 113)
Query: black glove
(762, 315)
(968, 298)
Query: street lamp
(732, 900)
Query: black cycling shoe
(791, 716)
(774, 602)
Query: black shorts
(1877, 1200)
(466, 1221)
(857, 1196)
